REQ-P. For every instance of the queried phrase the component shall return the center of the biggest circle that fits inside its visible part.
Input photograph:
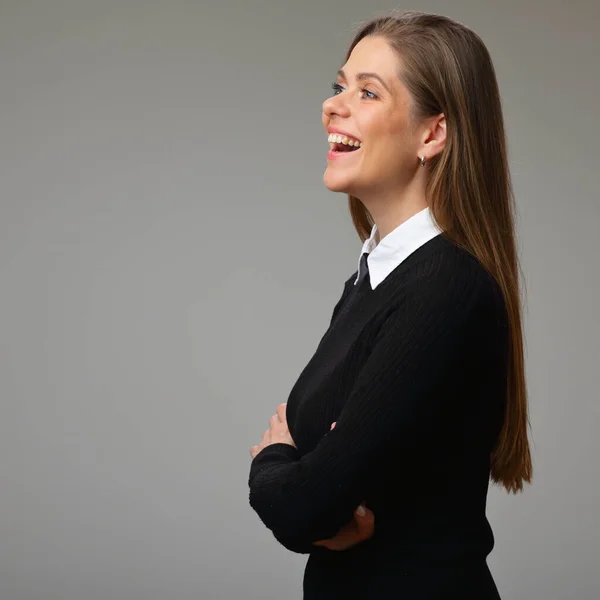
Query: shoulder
(450, 278)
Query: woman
(415, 396)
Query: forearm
(297, 512)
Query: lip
(336, 130)
(332, 155)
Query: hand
(278, 432)
(359, 529)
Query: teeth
(336, 138)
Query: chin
(337, 183)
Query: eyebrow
(361, 76)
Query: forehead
(374, 54)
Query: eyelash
(337, 86)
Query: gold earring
(422, 160)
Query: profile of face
(374, 109)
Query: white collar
(397, 245)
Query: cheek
(393, 143)
(386, 131)
(387, 148)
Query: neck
(389, 210)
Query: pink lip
(332, 155)
(336, 130)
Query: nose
(336, 105)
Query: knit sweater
(414, 373)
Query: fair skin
(384, 173)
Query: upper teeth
(336, 138)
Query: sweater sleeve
(307, 498)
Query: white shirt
(397, 245)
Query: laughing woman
(415, 396)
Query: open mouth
(343, 148)
(342, 144)
(341, 151)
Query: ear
(434, 136)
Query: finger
(346, 537)
(365, 523)
(364, 513)
(266, 438)
(333, 425)
(281, 412)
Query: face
(376, 113)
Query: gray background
(169, 259)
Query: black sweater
(414, 372)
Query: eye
(337, 88)
(368, 92)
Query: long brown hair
(447, 69)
